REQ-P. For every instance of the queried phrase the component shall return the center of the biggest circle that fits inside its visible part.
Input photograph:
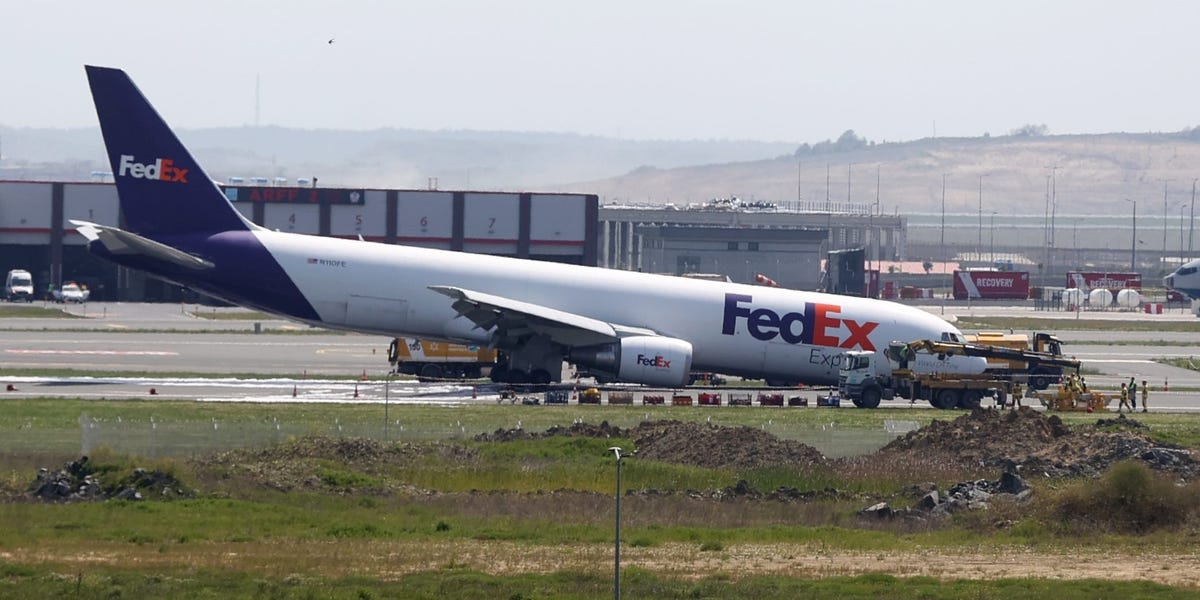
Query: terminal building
(742, 240)
(722, 237)
(36, 233)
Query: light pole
(1163, 257)
(620, 454)
(942, 248)
(1182, 259)
(992, 236)
(872, 241)
(1133, 243)
(848, 166)
(1192, 219)
(979, 242)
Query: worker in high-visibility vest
(1145, 396)
(1124, 398)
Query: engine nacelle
(649, 360)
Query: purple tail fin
(163, 190)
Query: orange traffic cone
(364, 375)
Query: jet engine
(649, 360)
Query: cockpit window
(1186, 270)
(950, 336)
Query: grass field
(1081, 324)
(33, 311)
(532, 519)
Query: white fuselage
(1186, 280)
(759, 331)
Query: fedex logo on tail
(817, 325)
(653, 361)
(162, 169)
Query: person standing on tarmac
(1132, 394)
(1145, 396)
(1124, 398)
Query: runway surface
(149, 342)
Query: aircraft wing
(121, 242)
(515, 319)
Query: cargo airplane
(1186, 280)
(634, 327)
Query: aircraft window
(1187, 270)
(950, 336)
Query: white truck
(18, 286)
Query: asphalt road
(152, 339)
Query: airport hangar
(785, 245)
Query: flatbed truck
(866, 379)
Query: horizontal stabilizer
(120, 242)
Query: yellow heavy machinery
(1039, 374)
(1074, 395)
(1064, 397)
(865, 384)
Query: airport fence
(152, 438)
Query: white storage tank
(1100, 298)
(1128, 298)
(1073, 297)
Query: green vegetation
(1080, 324)
(29, 311)
(453, 581)
(126, 374)
(1190, 362)
(233, 315)
(1129, 499)
(532, 518)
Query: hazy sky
(782, 70)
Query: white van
(19, 286)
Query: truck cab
(862, 379)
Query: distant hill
(386, 157)
(1095, 173)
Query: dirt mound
(707, 445)
(357, 452)
(696, 444)
(331, 464)
(603, 430)
(1038, 444)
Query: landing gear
(499, 374)
(539, 377)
